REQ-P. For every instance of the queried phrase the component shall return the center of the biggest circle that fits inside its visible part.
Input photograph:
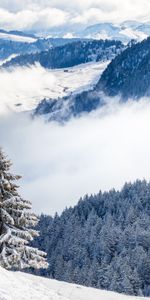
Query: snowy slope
(124, 31)
(7, 59)
(109, 31)
(21, 286)
(17, 38)
(23, 88)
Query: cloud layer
(60, 164)
(44, 15)
(24, 87)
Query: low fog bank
(99, 151)
(22, 88)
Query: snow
(124, 31)
(24, 87)
(22, 286)
(17, 38)
(8, 59)
(134, 34)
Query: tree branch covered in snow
(16, 219)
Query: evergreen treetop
(16, 223)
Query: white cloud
(35, 83)
(44, 15)
(61, 163)
(32, 19)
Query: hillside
(10, 47)
(44, 83)
(21, 286)
(124, 31)
(128, 74)
(102, 242)
(11, 44)
(17, 36)
(71, 54)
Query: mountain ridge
(71, 54)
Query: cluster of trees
(63, 109)
(103, 242)
(129, 73)
(71, 54)
(9, 47)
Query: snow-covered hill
(124, 31)
(36, 83)
(17, 36)
(133, 63)
(22, 286)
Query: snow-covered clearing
(21, 89)
(17, 38)
(21, 286)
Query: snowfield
(17, 38)
(22, 286)
(23, 88)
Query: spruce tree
(16, 224)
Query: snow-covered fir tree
(16, 223)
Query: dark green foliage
(104, 241)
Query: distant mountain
(138, 27)
(102, 30)
(128, 75)
(17, 42)
(18, 36)
(145, 28)
(20, 33)
(124, 31)
(10, 47)
(102, 242)
(71, 54)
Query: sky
(45, 15)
